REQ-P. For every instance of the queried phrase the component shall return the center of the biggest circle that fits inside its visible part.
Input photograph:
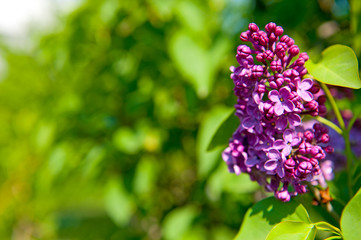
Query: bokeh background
(107, 108)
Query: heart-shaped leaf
(338, 66)
(293, 230)
(224, 131)
(351, 218)
(265, 214)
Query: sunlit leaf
(178, 221)
(118, 203)
(265, 214)
(197, 63)
(224, 131)
(292, 230)
(351, 218)
(206, 159)
(338, 66)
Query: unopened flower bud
(253, 27)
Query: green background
(105, 121)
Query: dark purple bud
(317, 126)
(308, 135)
(314, 162)
(290, 42)
(257, 71)
(295, 74)
(322, 109)
(260, 57)
(287, 73)
(329, 149)
(278, 31)
(243, 50)
(255, 36)
(253, 27)
(302, 71)
(299, 62)
(285, 38)
(284, 196)
(261, 88)
(302, 148)
(263, 39)
(273, 85)
(268, 55)
(281, 46)
(321, 99)
(293, 50)
(304, 56)
(300, 188)
(244, 36)
(276, 65)
(272, 37)
(313, 105)
(315, 89)
(294, 97)
(267, 106)
(279, 82)
(270, 27)
(325, 138)
(290, 164)
(304, 167)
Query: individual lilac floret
(290, 140)
(272, 144)
(302, 88)
(275, 163)
(281, 101)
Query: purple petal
(288, 105)
(257, 97)
(274, 154)
(274, 96)
(288, 135)
(294, 119)
(284, 93)
(271, 165)
(278, 108)
(281, 123)
(250, 162)
(258, 128)
(305, 95)
(249, 122)
(280, 172)
(306, 84)
(287, 150)
(295, 141)
(279, 144)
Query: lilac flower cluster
(271, 144)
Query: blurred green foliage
(106, 121)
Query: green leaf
(224, 131)
(265, 214)
(351, 218)
(178, 221)
(338, 66)
(195, 62)
(207, 160)
(292, 230)
(118, 204)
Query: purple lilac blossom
(272, 144)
